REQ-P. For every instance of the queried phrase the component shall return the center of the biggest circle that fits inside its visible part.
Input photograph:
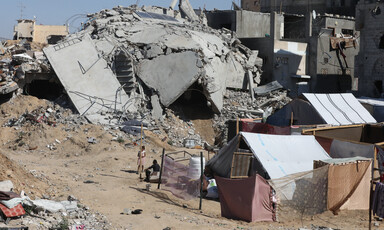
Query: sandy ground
(111, 166)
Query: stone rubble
(75, 216)
(19, 58)
(169, 55)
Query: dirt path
(112, 185)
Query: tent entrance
(241, 165)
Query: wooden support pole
(201, 180)
(237, 125)
(161, 168)
(371, 189)
(141, 148)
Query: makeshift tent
(375, 107)
(254, 126)
(311, 109)
(301, 194)
(348, 183)
(349, 141)
(274, 155)
(247, 199)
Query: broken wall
(342, 7)
(369, 67)
(42, 32)
(89, 82)
(246, 24)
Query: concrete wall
(251, 5)
(222, 19)
(24, 29)
(42, 32)
(246, 24)
(342, 7)
(329, 72)
(369, 68)
(265, 48)
(281, 60)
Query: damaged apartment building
(29, 30)
(311, 53)
(370, 60)
(132, 62)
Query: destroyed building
(162, 54)
(148, 64)
(318, 58)
(29, 30)
(369, 67)
(341, 7)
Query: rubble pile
(18, 58)
(130, 63)
(158, 57)
(178, 130)
(169, 55)
(238, 104)
(49, 214)
(51, 115)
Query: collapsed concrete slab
(171, 55)
(180, 73)
(87, 78)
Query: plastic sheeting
(282, 155)
(345, 149)
(177, 179)
(255, 127)
(221, 163)
(245, 199)
(374, 106)
(349, 185)
(301, 111)
(340, 109)
(301, 194)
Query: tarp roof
(282, 155)
(339, 109)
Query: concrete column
(308, 26)
(273, 19)
(173, 4)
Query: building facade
(341, 7)
(369, 66)
(304, 53)
(27, 29)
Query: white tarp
(340, 109)
(282, 155)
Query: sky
(60, 12)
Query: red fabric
(264, 128)
(18, 210)
(325, 143)
(245, 199)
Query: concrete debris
(6, 185)
(238, 104)
(89, 82)
(16, 59)
(47, 116)
(134, 63)
(92, 140)
(265, 89)
(165, 48)
(48, 214)
(187, 9)
(173, 81)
